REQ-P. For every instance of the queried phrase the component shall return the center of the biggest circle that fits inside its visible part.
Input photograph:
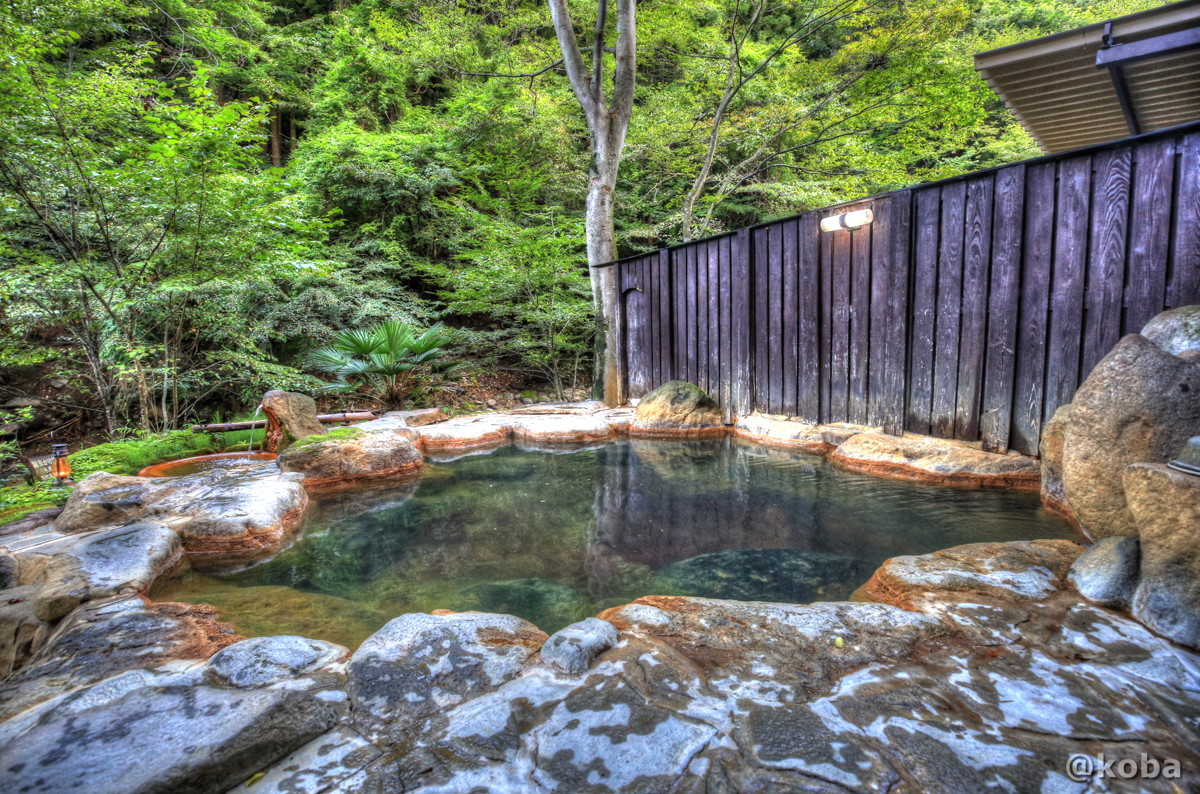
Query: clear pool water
(557, 537)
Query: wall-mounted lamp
(848, 220)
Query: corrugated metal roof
(1065, 101)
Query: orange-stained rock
(677, 408)
(348, 457)
(1016, 571)
(290, 417)
(936, 460)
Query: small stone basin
(203, 463)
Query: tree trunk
(276, 136)
(608, 121)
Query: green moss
(18, 501)
(337, 434)
(133, 455)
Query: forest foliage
(197, 194)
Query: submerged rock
(551, 604)
(348, 456)
(160, 739)
(1175, 330)
(270, 609)
(1139, 405)
(291, 417)
(1166, 506)
(782, 575)
(936, 460)
(1107, 571)
(677, 408)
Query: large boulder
(225, 518)
(418, 665)
(1166, 506)
(677, 408)
(1139, 405)
(110, 562)
(290, 417)
(349, 456)
(935, 460)
(1175, 330)
(163, 739)
(102, 639)
(1054, 496)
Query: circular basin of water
(202, 463)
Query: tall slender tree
(607, 117)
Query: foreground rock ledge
(994, 674)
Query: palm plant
(389, 363)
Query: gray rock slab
(164, 739)
(263, 661)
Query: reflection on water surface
(557, 537)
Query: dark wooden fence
(970, 308)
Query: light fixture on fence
(847, 220)
(60, 467)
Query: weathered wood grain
(923, 332)
(1106, 255)
(972, 339)
(995, 418)
(1149, 232)
(949, 309)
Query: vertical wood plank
(924, 310)
(880, 305)
(663, 300)
(714, 319)
(741, 318)
(1064, 343)
(949, 309)
(826, 319)
(839, 365)
(973, 334)
(808, 328)
(691, 323)
(1149, 232)
(762, 317)
(1003, 299)
(726, 329)
(775, 303)
(1184, 288)
(679, 276)
(699, 308)
(899, 240)
(791, 346)
(1033, 312)
(1106, 257)
(860, 323)
(696, 320)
